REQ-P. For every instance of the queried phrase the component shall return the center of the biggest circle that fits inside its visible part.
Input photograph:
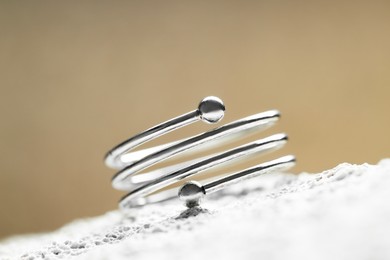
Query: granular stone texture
(342, 213)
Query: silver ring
(142, 186)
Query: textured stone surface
(342, 213)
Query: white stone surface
(342, 213)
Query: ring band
(132, 164)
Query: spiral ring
(132, 177)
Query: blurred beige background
(77, 78)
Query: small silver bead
(192, 193)
(211, 109)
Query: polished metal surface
(148, 187)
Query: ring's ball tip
(211, 109)
(191, 193)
